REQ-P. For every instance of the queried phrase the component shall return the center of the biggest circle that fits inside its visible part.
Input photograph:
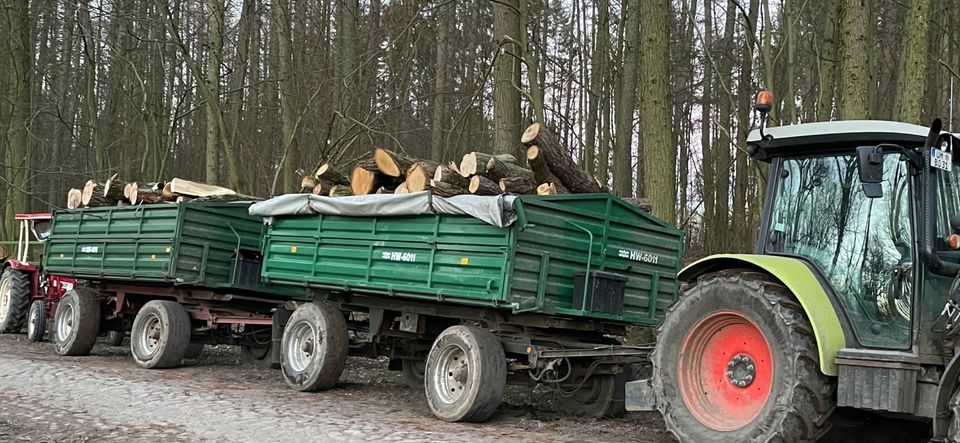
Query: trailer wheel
(258, 356)
(115, 338)
(36, 321)
(413, 370)
(14, 299)
(160, 334)
(593, 398)
(736, 360)
(193, 350)
(314, 347)
(76, 323)
(465, 374)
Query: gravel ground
(105, 397)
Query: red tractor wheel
(736, 361)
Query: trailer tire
(193, 351)
(465, 374)
(596, 398)
(258, 356)
(160, 334)
(76, 323)
(314, 347)
(413, 370)
(36, 321)
(14, 299)
(736, 360)
(115, 338)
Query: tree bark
(476, 162)
(626, 102)
(544, 143)
(518, 185)
(506, 77)
(854, 103)
(659, 174)
(451, 174)
(214, 12)
(19, 83)
(480, 185)
(913, 73)
(444, 189)
(497, 169)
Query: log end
(532, 152)
(362, 181)
(386, 162)
(530, 134)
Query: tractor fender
(19, 265)
(801, 281)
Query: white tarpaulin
(495, 210)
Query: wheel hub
(4, 299)
(741, 371)
(725, 371)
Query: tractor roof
(824, 137)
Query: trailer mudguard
(801, 281)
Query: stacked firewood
(548, 169)
(117, 192)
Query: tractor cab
(33, 227)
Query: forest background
(651, 96)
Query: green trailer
(464, 301)
(176, 276)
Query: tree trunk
(626, 102)
(857, 79)
(214, 13)
(659, 174)
(506, 77)
(451, 174)
(444, 189)
(74, 198)
(20, 80)
(366, 178)
(443, 18)
(913, 73)
(828, 60)
(476, 162)
(518, 185)
(113, 188)
(497, 169)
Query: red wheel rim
(725, 371)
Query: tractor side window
(862, 245)
(949, 204)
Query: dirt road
(105, 397)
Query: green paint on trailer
(802, 282)
(527, 267)
(191, 243)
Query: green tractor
(850, 305)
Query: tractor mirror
(870, 160)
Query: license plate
(941, 159)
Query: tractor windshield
(863, 246)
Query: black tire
(470, 360)
(596, 398)
(792, 399)
(160, 335)
(413, 370)
(14, 299)
(36, 321)
(258, 356)
(76, 323)
(193, 351)
(115, 338)
(314, 347)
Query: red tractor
(27, 295)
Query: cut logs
(543, 145)
(547, 189)
(496, 169)
(444, 189)
(340, 191)
(518, 185)
(74, 198)
(542, 174)
(419, 175)
(327, 173)
(480, 185)
(366, 178)
(392, 164)
(92, 195)
(451, 174)
(476, 162)
(144, 193)
(113, 188)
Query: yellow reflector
(167, 250)
(61, 255)
(464, 261)
(153, 256)
(293, 249)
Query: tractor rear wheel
(14, 299)
(736, 360)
